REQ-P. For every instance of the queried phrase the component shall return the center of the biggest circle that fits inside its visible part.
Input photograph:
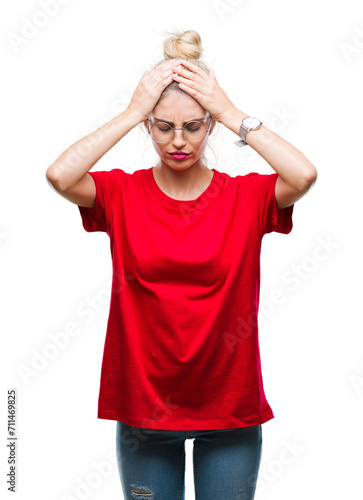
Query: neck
(180, 182)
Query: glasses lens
(161, 132)
(194, 131)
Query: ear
(146, 127)
(212, 126)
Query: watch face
(251, 122)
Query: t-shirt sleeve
(107, 184)
(269, 217)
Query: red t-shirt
(181, 349)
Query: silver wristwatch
(248, 123)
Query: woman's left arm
(296, 175)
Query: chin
(178, 164)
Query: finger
(155, 78)
(192, 84)
(192, 75)
(166, 75)
(165, 64)
(192, 90)
(160, 68)
(188, 75)
(163, 81)
(177, 62)
(196, 69)
(162, 84)
(213, 75)
(166, 80)
(163, 68)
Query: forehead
(178, 108)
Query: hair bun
(183, 45)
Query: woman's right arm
(68, 175)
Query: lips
(179, 155)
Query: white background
(297, 67)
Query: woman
(181, 357)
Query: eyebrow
(172, 123)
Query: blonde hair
(184, 45)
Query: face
(178, 108)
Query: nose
(178, 140)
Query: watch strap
(241, 143)
(242, 134)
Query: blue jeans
(151, 462)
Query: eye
(163, 127)
(193, 126)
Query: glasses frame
(180, 128)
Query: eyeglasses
(193, 131)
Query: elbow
(306, 180)
(311, 176)
(309, 180)
(50, 175)
(53, 179)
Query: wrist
(232, 119)
(134, 115)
